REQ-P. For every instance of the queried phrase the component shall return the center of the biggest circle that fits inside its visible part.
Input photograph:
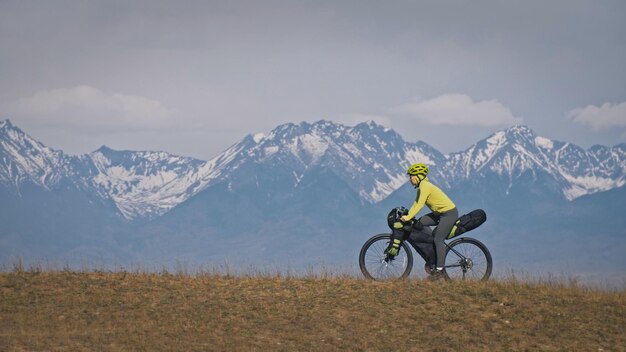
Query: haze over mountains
(304, 193)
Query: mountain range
(319, 189)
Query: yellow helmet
(417, 169)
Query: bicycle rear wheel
(468, 259)
(375, 265)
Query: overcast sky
(194, 77)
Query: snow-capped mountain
(566, 168)
(587, 171)
(23, 159)
(141, 184)
(26, 160)
(368, 158)
(317, 189)
(144, 184)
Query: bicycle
(466, 259)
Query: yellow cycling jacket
(433, 197)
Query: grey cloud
(245, 66)
(602, 117)
(89, 108)
(459, 110)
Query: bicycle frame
(461, 262)
(422, 254)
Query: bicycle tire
(374, 267)
(474, 262)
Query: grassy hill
(120, 311)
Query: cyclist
(443, 214)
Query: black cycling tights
(445, 222)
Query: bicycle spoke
(465, 260)
(375, 265)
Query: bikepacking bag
(422, 241)
(393, 219)
(468, 222)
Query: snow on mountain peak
(25, 159)
(9, 131)
(517, 151)
(371, 159)
(313, 145)
(144, 183)
(520, 130)
(6, 124)
(371, 124)
(258, 137)
(544, 143)
(496, 141)
(322, 124)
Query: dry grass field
(121, 311)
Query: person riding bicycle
(443, 214)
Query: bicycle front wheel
(376, 266)
(468, 259)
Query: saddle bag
(468, 222)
